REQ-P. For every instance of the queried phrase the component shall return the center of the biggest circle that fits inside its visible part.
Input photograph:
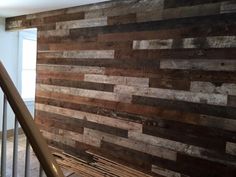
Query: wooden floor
(99, 168)
(71, 166)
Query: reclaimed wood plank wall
(148, 83)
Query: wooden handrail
(31, 131)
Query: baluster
(4, 138)
(27, 158)
(15, 149)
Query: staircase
(48, 165)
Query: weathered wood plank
(149, 84)
(103, 120)
(205, 137)
(215, 99)
(231, 148)
(81, 122)
(228, 7)
(232, 101)
(107, 54)
(168, 144)
(132, 144)
(182, 3)
(174, 84)
(209, 42)
(135, 81)
(207, 87)
(126, 8)
(189, 165)
(123, 19)
(59, 75)
(165, 172)
(176, 33)
(213, 110)
(192, 11)
(77, 84)
(70, 68)
(86, 93)
(209, 65)
(82, 23)
(84, 46)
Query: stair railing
(34, 137)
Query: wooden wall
(148, 83)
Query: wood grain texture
(150, 84)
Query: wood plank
(79, 122)
(200, 136)
(232, 101)
(153, 26)
(231, 148)
(132, 144)
(214, 99)
(203, 9)
(165, 172)
(168, 144)
(179, 54)
(122, 19)
(202, 30)
(59, 75)
(209, 42)
(209, 65)
(181, 3)
(86, 93)
(228, 7)
(63, 17)
(108, 54)
(174, 84)
(207, 87)
(213, 110)
(82, 23)
(70, 69)
(189, 165)
(95, 118)
(77, 84)
(84, 46)
(125, 8)
(135, 81)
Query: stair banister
(28, 125)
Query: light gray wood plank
(210, 42)
(120, 97)
(82, 23)
(88, 54)
(153, 44)
(208, 87)
(198, 64)
(120, 80)
(214, 99)
(71, 69)
(228, 7)
(231, 148)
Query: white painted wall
(9, 57)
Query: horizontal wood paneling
(149, 84)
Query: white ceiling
(9, 8)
